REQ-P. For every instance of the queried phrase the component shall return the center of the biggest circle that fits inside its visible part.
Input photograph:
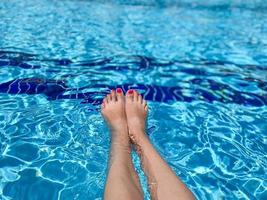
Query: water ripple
(201, 68)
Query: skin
(126, 116)
(122, 181)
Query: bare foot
(113, 111)
(136, 112)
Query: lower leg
(163, 182)
(122, 181)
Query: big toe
(129, 96)
(120, 95)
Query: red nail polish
(119, 90)
(130, 91)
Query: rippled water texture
(201, 66)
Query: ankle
(137, 131)
(120, 138)
(137, 136)
(118, 127)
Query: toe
(146, 108)
(105, 100)
(140, 99)
(109, 97)
(144, 103)
(119, 94)
(113, 95)
(129, 95)
(135, 95)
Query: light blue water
(201, 65)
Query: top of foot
(113, 110)
(136, 112)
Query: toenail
(119, 90)
(130, 91)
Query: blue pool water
(202, 66)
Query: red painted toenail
(130, 91)
(119, 90)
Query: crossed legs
(126, 117)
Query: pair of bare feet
(125, 114)
(126, 117)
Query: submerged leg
(122, 181)
(163, 182)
